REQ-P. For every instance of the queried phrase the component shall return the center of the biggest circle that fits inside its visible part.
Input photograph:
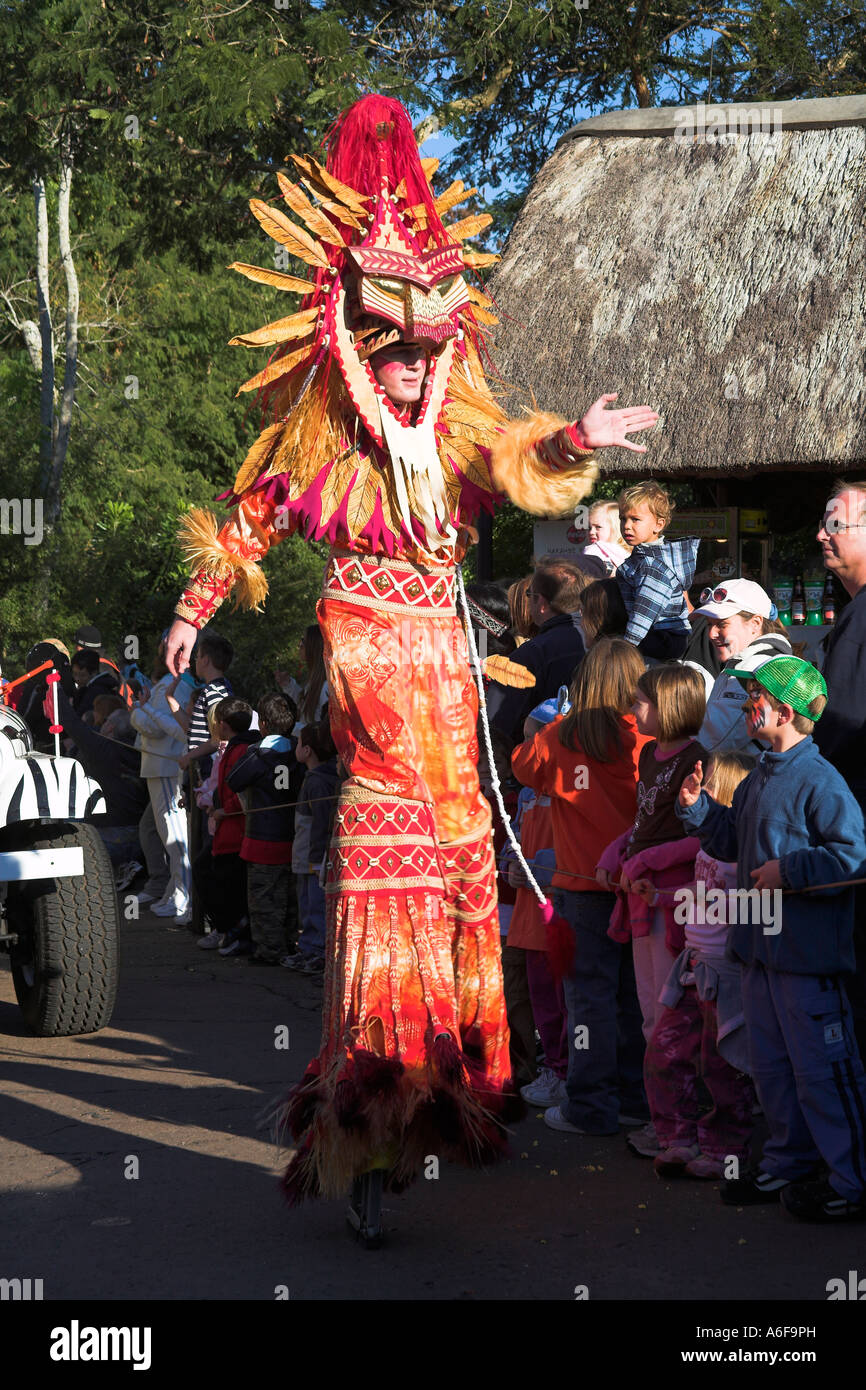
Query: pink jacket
(668, 867)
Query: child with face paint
(793, 825)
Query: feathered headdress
(335, 457)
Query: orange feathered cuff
(225, 560)
(542, 464)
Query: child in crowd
(700, 1032)
(219, 873)
(587, 763)
(266, 778)
(654, 577)
(793, 825)
(605, 538)
(668, 709)
(213, 657)
(318, 797)
(206, 793)
(527, 933)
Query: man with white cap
(743, 627)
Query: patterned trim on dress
(382, 844)
(392, 586)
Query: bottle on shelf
(828, 602)
(782, 588)
(798, 603)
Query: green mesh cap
(788, 678)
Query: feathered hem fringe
(368, 1112)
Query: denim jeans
(605, 1069)
(311, 915)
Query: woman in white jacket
(162, 745)
(743, 627)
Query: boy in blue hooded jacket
(794, 825)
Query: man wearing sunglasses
(841, 733)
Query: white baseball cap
(736, 596)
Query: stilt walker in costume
(382, 436)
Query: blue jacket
(552, 656)
(795, 808)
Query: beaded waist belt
(390, 585)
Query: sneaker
(211, 942)
(644, 1141)
(294, 962)
(236, 946)
(705, 1168)
(168, 909)
(819, 1201)
(126, 873)
(547, 1090)
(143, 898)
(753, 1188)
(554, 1119)
(671, 1163)
(313, 965)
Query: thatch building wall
(720, 280)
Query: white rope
(485, 727)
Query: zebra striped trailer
(58, 905)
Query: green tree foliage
(171, 116)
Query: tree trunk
(46, 400)
(70, 374)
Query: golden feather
(320, 225)
(280, 331)
(511, 673)
(483, 316)
(478, 297)
(295, 239)
(453, 196)
(363, 498)
(400, 191)
(318, 174)
(476, 259)
(277, 278)
(258, 457)
(277, 369)
(469, 226)
(339, 210)
(429, 166)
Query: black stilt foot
(365, 1209)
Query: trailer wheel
(64, 963)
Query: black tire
(64, 963)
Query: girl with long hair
(587, 762)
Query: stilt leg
(365, 1209)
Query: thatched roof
(722, 282)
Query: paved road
(179, 1082)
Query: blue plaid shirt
(652, 581)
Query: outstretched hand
(181, 639)
(691, 787)
(601, 427)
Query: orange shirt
(591, 802)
